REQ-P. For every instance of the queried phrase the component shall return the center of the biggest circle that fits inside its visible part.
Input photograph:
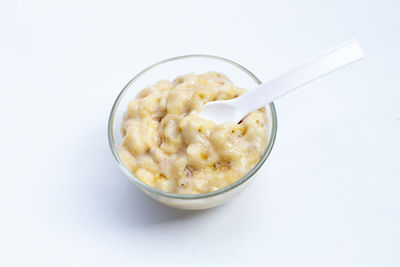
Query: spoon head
(219, 111)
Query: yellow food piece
(173, 150)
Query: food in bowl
(167, 146)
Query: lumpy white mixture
(173, 150)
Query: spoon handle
(312, 69)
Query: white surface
(312, 69)
(330, 191)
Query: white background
(327, 196)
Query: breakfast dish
(167, 146)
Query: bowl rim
(142, 185)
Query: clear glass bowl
(169, 69)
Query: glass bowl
(169, 69)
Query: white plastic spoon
(237, 108)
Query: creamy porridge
(170, 148)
